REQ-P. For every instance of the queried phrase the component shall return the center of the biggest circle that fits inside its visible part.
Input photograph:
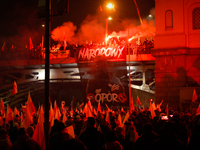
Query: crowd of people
(110, 129)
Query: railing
(19, 54)
(29, 54)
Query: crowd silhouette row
(115, 128)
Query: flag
(85, 109)
(119, 118)
(95, 112)
(89, 109)
(16, 112)
(122, 110)
(2, 109)
(1, 121)
(99, 107)
(138, 101)
(30, 43)
(4, 47)
(81, 111)
(51, 115)
(152, 110)
(28, 120)
(194, 96)
(38, 134)
(70, 131)
(57, 114)
(14, 91)
(12, 47)
(126, 118)
(158, 106)
(198, 110)
(8, 114)
(108, 108)
(82, 104)
(30, 105)
(90, 105)
(107, 117)
(154, 106)
(64, 119)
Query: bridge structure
(65, 79)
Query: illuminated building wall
(176, 49)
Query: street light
(110, 18)
(109, 6)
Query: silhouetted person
(54, 127)
(112, 142)
(168, 138)
(5, 142)
(91, 137)
(147, 138)
(58, 137)
(14, 132)
(131, 135)
(24, 142)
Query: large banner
(103, 72)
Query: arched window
(196, 18)
(169, 19)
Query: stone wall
(174, 69)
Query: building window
(169, 19)
(196, 18)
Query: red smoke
(64, 32)
(93, 29)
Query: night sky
(19, 20)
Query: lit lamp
(109, 6)
(110, 18)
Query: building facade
(177, 51)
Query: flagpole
(47, 68)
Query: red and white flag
(30, 105)
(14, 91)
(30, 43)
(9, 116)
(28, 120)
(158, 106)
(4, 47)
(152, 110)
(198, 110)
(2, 108)
(38, 134)
(119, 120)
(194, 96)
(99, 107)
(138, 101)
